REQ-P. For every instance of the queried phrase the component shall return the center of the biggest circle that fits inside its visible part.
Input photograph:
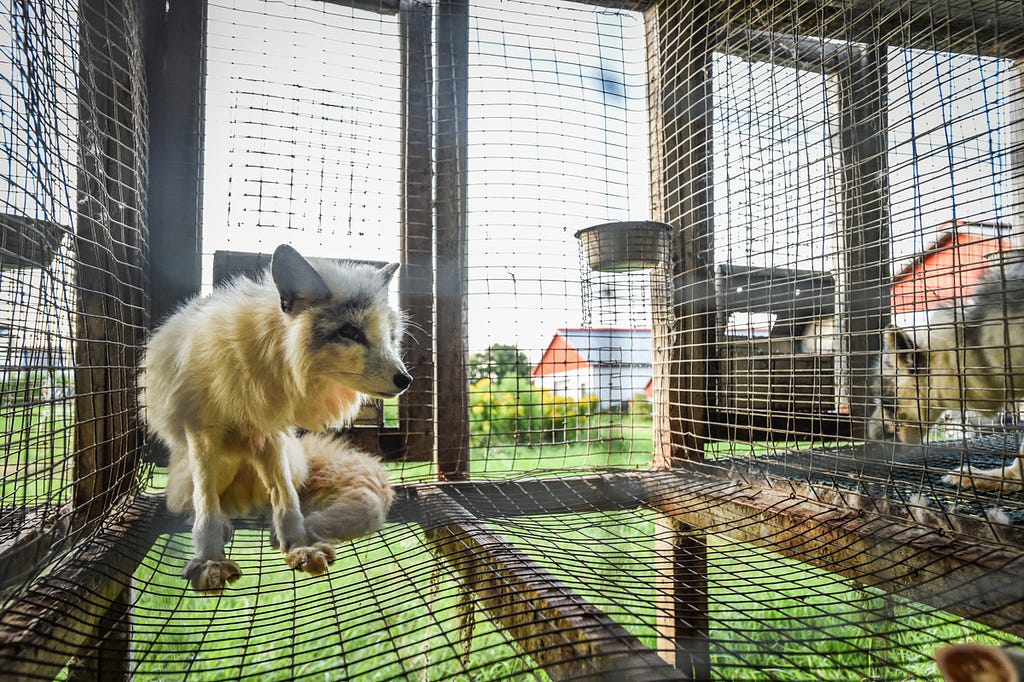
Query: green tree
(498, 362)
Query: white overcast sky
(302, 145)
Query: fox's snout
(402, 380)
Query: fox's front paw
(983, 479)
(211, 576)
(313, 560)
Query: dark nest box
(28, 242)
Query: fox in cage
(242, 386)
(969, 355)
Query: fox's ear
(297, 282)
(903, 348)
(389, 270)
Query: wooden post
(1015, 201)
(416, 290)
(452, 314)
(110, 659)
(175, 51)
(680, 41)
(863, 86)
(110, 240)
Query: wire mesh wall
(72, 278)
(779, 441)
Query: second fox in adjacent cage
(968, 356)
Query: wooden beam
(452, 260)
(993, 28)
(175, 55)
(681, 37)
(862, 82)
(28, 539)
(416, 278)
(63, 614)
(111, 249)
(954, 574)
(797, 52)
(527, 497)
(375, 6)
(567, 636)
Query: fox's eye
(350, 332)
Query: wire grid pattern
(306, 149)
(72, 207)
(856, 185)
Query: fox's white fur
(230, 380)
(969, 357)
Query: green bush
(640, 405)
(512, 411)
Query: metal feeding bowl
(625, 246)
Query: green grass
(37, 442)
(387, 610)
(383, 612)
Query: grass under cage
(37, 441)
(388, 610)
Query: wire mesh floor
(441, 596)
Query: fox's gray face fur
(352, 339)
(903, 410)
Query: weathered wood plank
(955, 574)
(61, 616)
(567, 636)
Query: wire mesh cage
(710, 314)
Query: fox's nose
(402, 380)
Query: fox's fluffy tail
(346, 493)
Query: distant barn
(611, 364)
(962, 251)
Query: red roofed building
(612, 364)
(959, 256)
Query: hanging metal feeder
(625, 246)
